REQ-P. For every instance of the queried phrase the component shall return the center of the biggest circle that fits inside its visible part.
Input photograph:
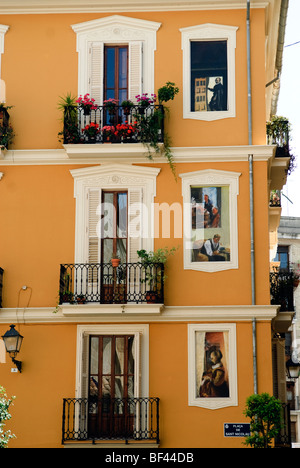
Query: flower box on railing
(100, 124)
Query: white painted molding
(236, 313)
(141, 332)
(211, 178)
(112, 30)
(103, 6)
(3, 30)
(110, 176)
(208, 32)
(1, 175)
(135, 153)
(212, 403)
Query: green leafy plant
(264, 412)
(5, 415)
(167, 92)
(6, 135)
(68, 106)
(160, 256)
(279, 130)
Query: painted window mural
(210, 224)
(212, 379)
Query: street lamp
(292, 368)
(12, 341)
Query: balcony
(103, 283)
(1, 285)
(92, 419)
(282, 285)
(100, 125)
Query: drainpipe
(250, 159)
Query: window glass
(208, 76)
(210, 224)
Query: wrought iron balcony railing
(282, 284)
(102, 283)
(136, 124)
(110, 419)
(1, 285)
(278, 134)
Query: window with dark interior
(209, 77)
(116, 72)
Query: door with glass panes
(111, 386)
(114, 244)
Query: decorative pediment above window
(138, 35)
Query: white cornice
(104, 6)
(133, 154)
(138, 313)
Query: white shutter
(135, 69)
(96, 71)
(135, 223)
(93, 228)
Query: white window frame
(208, 32)
(210, 178)
(3, 30)
(142, 354)
(113, 176)
(112, 30)
(205, 402)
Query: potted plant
(91, 131)
(67, 296)
(145, 101)
(6, 135)
(81, 299)
(86, 103)
(108, 132)
(110, 105)
(153, 262)
(4, 115)
(68, 107)
(167, 92)
(115, 261)
(125, 131)
(127, 106)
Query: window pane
(122, 215)
(94, 355)
(119, 356)
(107, 250)
(108, 212)
(210, 224)
(123, 67)
(110, 67)
(106, 360)
(208, 76)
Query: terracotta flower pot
(115, 262)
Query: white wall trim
(3, 30)
(110, 176)
(213, 403)
(96, 6)
(211, 178)
(116, 29)
(211, 32)
(142, 330)
(135, 153)
(116, 314)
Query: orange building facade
(174, 372)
